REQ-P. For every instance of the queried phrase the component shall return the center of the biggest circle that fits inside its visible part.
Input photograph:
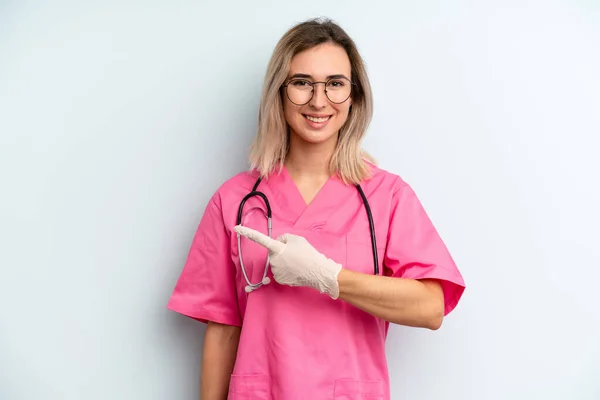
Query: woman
(313, 325)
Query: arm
(418, 303)
(218, 358)
(423, 284)
(403, 299)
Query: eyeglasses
(301, 91)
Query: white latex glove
(295, 262)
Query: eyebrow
(336, 76)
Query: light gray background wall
(118, 121)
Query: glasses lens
(338, 90)
(299, 91)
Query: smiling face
(320, 119)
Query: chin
(315, 137)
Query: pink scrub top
(295, 343)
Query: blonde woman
(300, 264)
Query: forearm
(218, 359)
(402, 301)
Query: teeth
(313, 119)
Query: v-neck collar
(297, 211)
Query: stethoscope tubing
(265, 280)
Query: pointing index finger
(260, 238)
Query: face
(320, 119)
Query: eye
(336, 83)
(300, 82)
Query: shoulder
(382, 180)
(242, 180)
(235, 187)
(224, 201)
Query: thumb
(270, 244)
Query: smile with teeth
(315, 119)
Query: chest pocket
(331, 245)
(359, 251)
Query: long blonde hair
(271, 143)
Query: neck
(308, 159)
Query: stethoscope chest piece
(265, 279)
(249, 288)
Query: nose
(319, 98)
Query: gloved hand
(295, 262)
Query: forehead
(321, 61)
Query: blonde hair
(271, 144)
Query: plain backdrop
(118, 120)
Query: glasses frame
(285, 87)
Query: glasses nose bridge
(324, 85)
(314, 84)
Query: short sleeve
(206, 289)
(415, 250)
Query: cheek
(342, 114)
(291, 113)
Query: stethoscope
(265, 279)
